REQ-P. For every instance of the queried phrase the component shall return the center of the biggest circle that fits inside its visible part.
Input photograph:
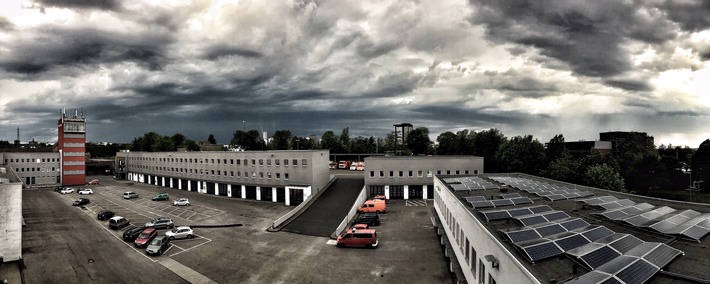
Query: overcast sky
(203, 67)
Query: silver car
(158, 245)
(182, 232)
(161, 223)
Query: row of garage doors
(295, 198)
(397, 191)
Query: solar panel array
(528, 233)
(622, 257)
(556, 244)
(493, 203)
(502, 214)
(552, 192)
(687, 223)
(540, 218)
(470, 183)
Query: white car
(182, 232)
(86, 191)
(181, 202)
(67, 190)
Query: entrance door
(396, 192)
(296, 197)
(416, 192)
(377, 190)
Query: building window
(468, 247)
(285, 176)
(261, 175)
(277, 162)
(382, 173)
(481, 272)
(268, 175)
(401, 173)
(420, 173)
(490, 279)
(372, 173)
(428, 174)
(285, 162)
(253, 162)
(278, 175)
(391, 173)
(304, 162)
(475, 172)
(465, 172)
(411, 174)
(268, 162)
(295, 162)
(473, 261)
(261, 162)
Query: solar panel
(616, 264)
(540, 209)
(502, 202)
(522, 235)
(481, 204)
(557, 215)
(661, 255)
(571, 242)
(521, 200)
(638, 272)
(475, 198)
(550, 230)
(540, 251)
(695, 232)
(593, 277)
(555, 197)
(599, 257)
(574, 224)
(495, 215)
(510, 195)
(626, 243)
(531, 220)
(597, 233)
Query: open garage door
(376, 190)
(222, 189)
(183, 184)
(430, 191)
(251, 192)
(266, 193)
(210, 188)
(281, 194)
(296, 196)
(416, 192)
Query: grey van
(117, 222)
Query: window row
(39, 170)
(32, 160)
(238, 162)
(218, 173)
(420, 173)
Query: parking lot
(64, 242)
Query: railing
(351, 214)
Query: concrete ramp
(326, 212)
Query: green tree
(603, 176)
(192, 145)
(163, 144)
(281, 141)
(522, 154)
(448, 144)
(211, 139)
(418, 141)
(178, 140)
(362, 144)
(330, 141)
(556, 147)
(345, 139)
(564, 168)
(487, 143)
(700, 165)
(248, 140)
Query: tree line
(635, 164)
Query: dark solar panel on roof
(574, 224)
(481, 204)
(510, 195)
(599, 257)
(557, 215)
(598, 233)
(521, 200)
(625, 243)
(616, 264)
(571, 242)
(531, 220)
(541, 251)
(475, 198)
(637, 273)
(592, 277)
(555, 197)
(540, 209)
(661, 255)
(495, 215)
(522, 235)
(550, 230)
(502, 202)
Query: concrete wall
(10, 215)
(35, 169)
(460, 225)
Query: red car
(145, 237)
(358, 238)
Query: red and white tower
(72, 148)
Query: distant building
(401, 131)
(72, 148)
(579, 148)
(617, 137)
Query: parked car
(357, 227)
(117, 222)
(371, 219)
(58, 189)
(182, 232)
(145, 237)
(158, 245)
(132, 232)
(181, 202)
(343, 164)
(130, 195)
(373, 206)
(160, 223)
(81, 201)
(360, 166)
(380, 197)
(66, 190)
(161, 196)
(86, 191)
(105, 215)
(353, 166)
(94, 182)
(358, 238)
(332, 165)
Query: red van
(358, 238)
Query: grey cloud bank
(204, 67)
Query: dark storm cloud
(82, 4)
(216, 52)
(631, 85)
(692, 15)
(589, 36)
(56, 47)
(458, 115)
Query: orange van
(373, 206)
(358, 238)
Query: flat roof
(559, 267)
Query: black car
(81, 201)
(105, 215)
(371, 219)
(132, 232)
